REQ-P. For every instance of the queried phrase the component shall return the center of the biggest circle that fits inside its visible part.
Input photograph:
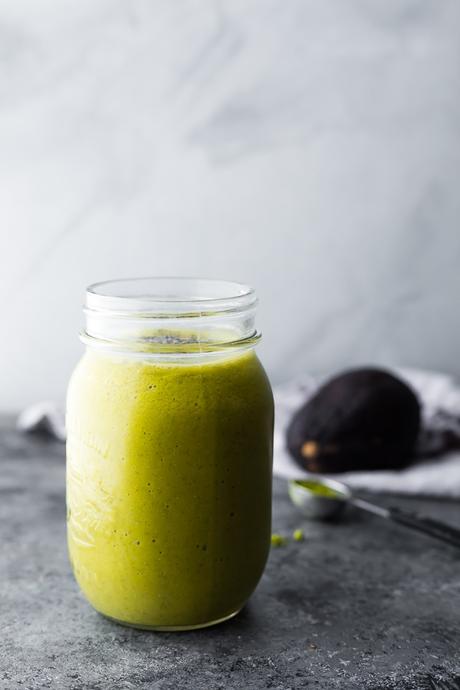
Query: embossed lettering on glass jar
(169, 452)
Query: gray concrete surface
(360, 605)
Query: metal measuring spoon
(321, 499)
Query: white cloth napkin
(46, 417)
(439, 476)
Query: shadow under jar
(169, 453)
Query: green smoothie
(169, 485)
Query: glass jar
(169, 452)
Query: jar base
(172, 628)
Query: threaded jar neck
(170, 316)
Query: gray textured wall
(309, 148)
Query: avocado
(362, 419)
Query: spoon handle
(434, 528)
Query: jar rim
(168, 294)
(166, 315)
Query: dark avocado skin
(362, 419)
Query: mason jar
(169, 452)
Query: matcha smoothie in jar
(169, 452)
